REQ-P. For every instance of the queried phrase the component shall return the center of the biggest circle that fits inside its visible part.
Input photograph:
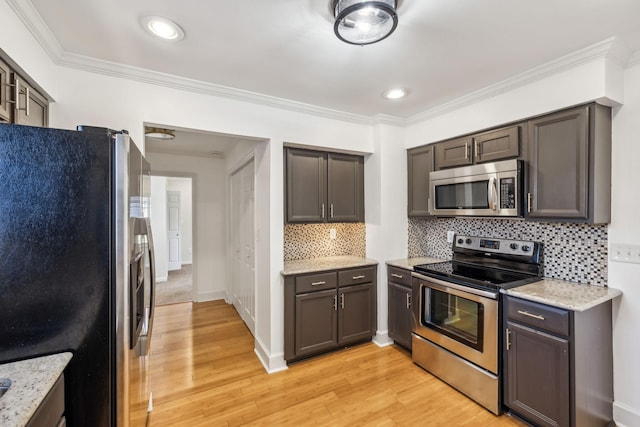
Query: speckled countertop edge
(31, 381)
(408, 263)
(312, 265)
(563, 294)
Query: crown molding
(30, 17)
(609, 48)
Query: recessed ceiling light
(396, 93)
(162, 27)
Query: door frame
(237, 167)
(170, 264)
(194, 236)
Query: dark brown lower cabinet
(328, 310)
(399, 286)
(558, 364)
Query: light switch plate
(622, 252)
(450, 236)
(332, 233)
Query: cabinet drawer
(539, 316)
(315, 282)
(356, 276)
(399, 276)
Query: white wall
(625, 228)
(158, 215)
(209, 218)
(183, 185)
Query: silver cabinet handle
(508, 339)
(335, 302)
(322, 211)
(466, 151)
(399, 276)
(477, 154)
(331, 210)
(535, 316)
(341, 300)
(408, 301)
(16, 97)
(318, 283)
(529, 202)
(359, 277)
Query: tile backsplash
(304, 241)
(574, 252)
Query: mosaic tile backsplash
(304, 241)
(574, 252)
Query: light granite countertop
(32, 379)
(563, 294)
(312, 265)
(408, 263)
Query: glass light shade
(159, 133)
(364, 22)
(162, 27)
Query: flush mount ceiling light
(162, 27)
(395, 93)
(159, 133)
(364, 22)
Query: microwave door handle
(492, 194)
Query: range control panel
(490, 244)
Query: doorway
(171, 215)
(242, 238)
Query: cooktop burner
(489, 263)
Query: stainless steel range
(456, 317)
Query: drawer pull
(318, 283)
(359, 277)
(535, 316)
(398, 276)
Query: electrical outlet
(332, 233)
(450, 236)
(621, 252)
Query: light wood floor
(204, 373)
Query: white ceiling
(441, 50)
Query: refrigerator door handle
(145, 337)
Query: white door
(243, 243)
(173, 230)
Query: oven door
(460, 319)
(492, 189)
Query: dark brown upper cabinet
(323, 187)
(21, 101)
(497, 144)
(419, 164)
(569, 160)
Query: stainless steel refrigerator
(76, 265)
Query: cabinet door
(32, 109)
(497, 145)
(316, 322)
(306, 186)
(559, 165)
(357, 317)
(538, 376)
(5, 107)
(345, 187)
(419, 164)
(457, 152)
(400, 314)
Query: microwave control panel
(507, 193)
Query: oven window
(465, 195)
(454, 316)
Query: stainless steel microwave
(488, 189)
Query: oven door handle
(442, 285)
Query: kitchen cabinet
(323, 187)
(21, 102)
(490, 146)
(558, 363)
(328, 310)
(50, 413)
(419, 164)
(400, 295)
(569, 160)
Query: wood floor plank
(204, 373)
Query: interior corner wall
(158, 214)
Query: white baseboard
(272, 363)
(162, 279)
(625, 416)
(210, 296)
(189, 262)
(381, 339)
